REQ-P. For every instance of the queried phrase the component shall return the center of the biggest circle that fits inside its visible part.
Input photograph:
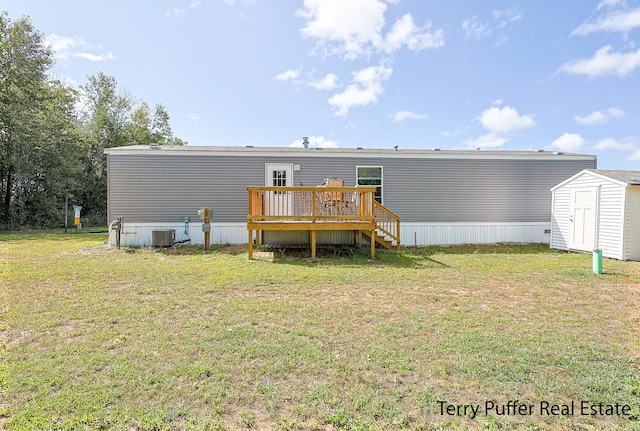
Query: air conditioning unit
(163, 237)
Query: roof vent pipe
(305, 142)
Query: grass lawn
(97, 338)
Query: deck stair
(382, 239)
(387, 223)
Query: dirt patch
(237, 248)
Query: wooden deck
(321, 208)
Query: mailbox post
(76, 218)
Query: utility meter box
(204, 213)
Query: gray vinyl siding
(474, 190)
(157, 187)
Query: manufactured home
(435, 197)
(598, 210)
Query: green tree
(46, 147)
(139, 130)
(37, 138)
(111, 118)
(103, 118)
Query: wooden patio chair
(335, 196)
(333, 202)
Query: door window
(279, 178)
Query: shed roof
(628, 177)
(623, 178)
(346, 152)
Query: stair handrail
(387, 222)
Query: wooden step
(381, 239)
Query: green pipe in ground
(597, 261)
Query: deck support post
(250, 244)
(373, 244)
(313, 244)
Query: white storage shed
(598, 209)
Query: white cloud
(616, 21)
(502, 120)
(506, 17)
(612, 144)
(490, 140)
(175, 12)
(95, 57)
(499, 122)
(288, 75)
(401, 116)
(244, 2)
(599, 117)
(473, 29)
(193, 117)
(628, 145)
(569, 142)
(353, 29)
(611, 4)
(66, 47)
(178, 12)
(62, 45)
(329, 82)
(365, 89)
(316, 142)
(604, 62)
(344, 28)
(405, 32)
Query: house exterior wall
(441, 198)
(609, 218)
(157, 187)
(632, 224)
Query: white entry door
(583, 223)
(278, 175)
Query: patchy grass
(138, 339)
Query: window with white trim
(370, 176)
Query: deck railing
(311, 204)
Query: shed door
(278, 175)
(582, 218)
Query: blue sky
(459, 74)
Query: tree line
(53, 136)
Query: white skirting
(473, 233)
(140, 234)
